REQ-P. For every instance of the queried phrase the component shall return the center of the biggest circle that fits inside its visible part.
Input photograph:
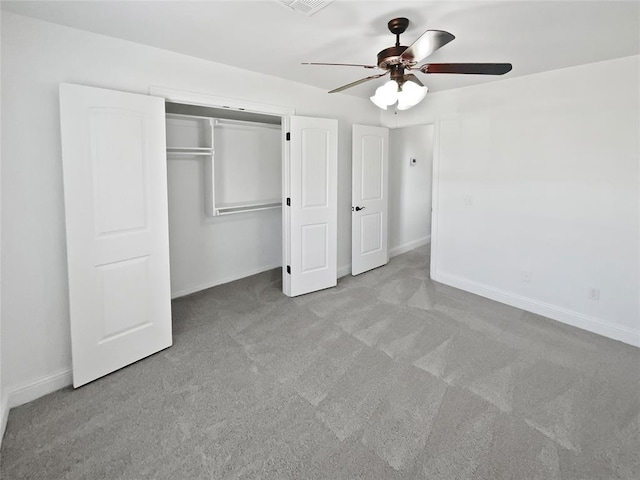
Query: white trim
(206, 100)
(584, 322)
(215, 283)
(344, 270)
(26, 393)
(395, 251)
(435, 197)
(4, 416)
(245, 124)
(38, 388)
(400, 249)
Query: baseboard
(400, 249)
(38, 388)
(579, 320)
(4, 416)
(31, 391)
(395, 251)
(344, 270)
(221, 281)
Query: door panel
(115, 186)
(370, 162)
(315, 254)
(371, 233)
(313, 214)
(372, 157)
(122, 284)
(118, 170)
(314, 165)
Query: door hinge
(288, 136)
(288, 202)
(289, 269)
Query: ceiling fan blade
(426, 44)
(467, 68)
(358, 82)
(413, 78)
(341, 64)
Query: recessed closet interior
(224, 170)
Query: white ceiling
(265, 36)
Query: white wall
(36, 57)
(3, 400)
(410, 187)
(539, 176)
(207, 251)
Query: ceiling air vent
(308, 7)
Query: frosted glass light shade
(411, 95)
(377, 100)
(386, 95)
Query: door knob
(359, 208)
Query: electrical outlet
(593, 294)
(526, 276)
(468, 200)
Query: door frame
(285, 113)
(435, 197)
(433, 217)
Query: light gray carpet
(388, 376)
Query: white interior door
(370, 167)
(115, 187)
(312, 216)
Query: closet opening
(225, 171)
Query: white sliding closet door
(115, 185)
(370, 166)
(312, 217)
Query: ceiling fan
(406, 88)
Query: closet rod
(189, 153)
(245, 123)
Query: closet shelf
(189, 151)
(241, 207)
(245, 166)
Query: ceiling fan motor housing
(390, 56)
(389, 59)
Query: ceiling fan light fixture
(378, 102)
(386, 95)
(410, 95)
